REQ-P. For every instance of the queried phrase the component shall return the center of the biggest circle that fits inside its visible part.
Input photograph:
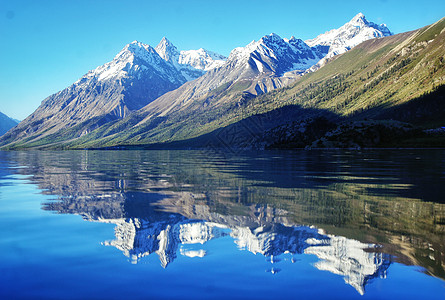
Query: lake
(215, 224)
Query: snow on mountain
(167, 50)
(273, 54)
(201, 59)
(260, 66)
(134, 58)
(191, 63)
(269, 54)
(340, 40)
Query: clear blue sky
(47, 45)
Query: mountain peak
(338, 41)
(359, 20)
(167, 50)
(132, 49)
(272, 37)
(165, 42)
(357, 30)
(359, 16)
(135, 49)
(273, 41)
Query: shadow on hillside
(290, 124)
(293, 126)
(427, 110)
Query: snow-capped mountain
(258, 67)
(356, 31)
(272, 54)
(201, 59)
(135, 59)
(191, 63)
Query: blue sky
(47, 45)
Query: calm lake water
(214, 225)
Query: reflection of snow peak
(349, 258)
(274, 240)
(197, 233)
(137, 238)
(193, 253)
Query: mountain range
(137, 75)
(273, 92)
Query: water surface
(213, 225)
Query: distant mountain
(272, 54)
(338, 41)
(6, 123)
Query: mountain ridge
(355, 85)
(191, 63)
(221, 96)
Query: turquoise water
(214, 225)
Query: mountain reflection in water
(356, 212)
